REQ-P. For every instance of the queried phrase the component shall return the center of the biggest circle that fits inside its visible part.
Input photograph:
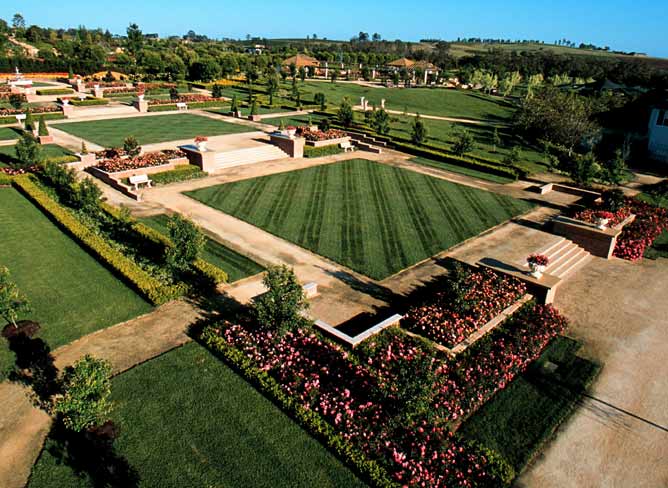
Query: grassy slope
(521, 417)
(71, 294)
(8, 153)
(150, 130)
(234, 264)
(188, 420)
(370, 217)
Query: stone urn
(537, 270)
(66, 101)
(140, 97)
(602, 223)
(201, 145)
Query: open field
(373, 218)
(188, 420)
(70, 292)
(520, 418)
(150, 130)
(234, 264)
(50, 151)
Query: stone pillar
(206, 160)
(426, 73)
(98, 92)
(362, 99)
(68, 110)
(373, 74)
(294, 146)
(140, 105)
(382, 103)
(326, 69)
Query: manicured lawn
(50, 151)
(71, 293)
(151, 130)
(520, 418)
(659, 248)
(234, 264)
(188, 420)
(461, 170)
(371, 217)
(296, 120)
(9, 133)
(447, 103)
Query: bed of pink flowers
(124, 89)
(106, 84)
(186, 99)
(19, 171)
(436, 319)
(5, 112)
(345, 389)
(650, 222)
(592, 215)
(120, 163)
(319, 135)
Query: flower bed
(488, 294)
(19, 171)
(186, 99)
(362, 397)
(122, 163)
(113, 92)
(7, 112)
(106, 84)
(6, 95)
(319, 135)
(591, 216)
(649, 224)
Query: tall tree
(12, 302)
(418, 131)
(281, 306)
(135, 40)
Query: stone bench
(138, 180)
(310, 289)
(347, 146)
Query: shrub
(131, 146)
(43, 129)
(613, 200)
(281, 306)
(464, 143)
(89, 102)
(28, 151)
(55, 91)
(181, 173)
(418, 131)
(217, 91)
(86, 388)
(5, 179)
(17, 100)
(317, 152)
(345, 114)
(13, 303)
(187, 243)
(30, 121)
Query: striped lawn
(373, 218)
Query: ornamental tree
(319, 98)
(16, 100)
(30, 121)
(281, 306)
(272, 87)
(43, 129)
(174, 93)
(418, 131)
(345, 113)
(131, 146)
(187, 243)
(380, 121)
(464, 143)
(86, 388)
(28, 151)
(12, 302)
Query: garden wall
(598, 242)
(328, 142)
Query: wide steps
(251, 155)
(565, 257)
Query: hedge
(5, 179)
(62, 159)
(368, 469)
(145, 284)
(55, 91)
(11, 119)
(89, 101)
(172, 106)
(181, 173)
(316, 152)
(210, 271)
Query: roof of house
(402, 63)
(426, 65)
(301, 60)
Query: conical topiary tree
(30, 121)
(43, 129)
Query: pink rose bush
(106, 84)
(592, 215)
(487, 294)
(319, 135)
(397, 399)
(115, 160)
(636, 237)
(43, 109)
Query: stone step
(575, 262)
(248, 156)
(363, 146)
(564, 254)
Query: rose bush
(636, 237)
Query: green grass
(41, 84)
(659, 248)
(71, 293)
(443, 102)
(234, 264)
(188, 420)
(461, 170)
(519, 419)
(150, 130)
(50, 151)
(373, 218)
(9, 133)
(296, 120)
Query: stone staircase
(367, 143)
(566, 258)
(250, 155)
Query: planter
(46, 139)
(537, 270)
(254, 118)
(140, 97)
(602, 223)
(201, 146)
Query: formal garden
(372, 218)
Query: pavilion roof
(402, 63)
(301, 61)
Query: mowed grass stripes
(373, 218)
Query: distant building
(154, 37)
(658, 133)
(426, 68)
(256, 49)
(301, 61)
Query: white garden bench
(310, 289)
(347, 146)
(182, 105)
(138, 180)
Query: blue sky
(638, 25)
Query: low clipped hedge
(369, 470)
(317, 152)
(181, 173)
(145, 284)
(89, 102)
(55, 91)
(211, 272)
(5, 179)
(11, 119)
(172, 106)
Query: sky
(627, 25)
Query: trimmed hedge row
(89, 102)
(55, 91)
(47, 116)
(317, 152)
(172, 106)
(187, 172)
(149, 287)
(5, 179)
(368, 469)
(208, 270)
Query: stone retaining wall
(328, 142)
